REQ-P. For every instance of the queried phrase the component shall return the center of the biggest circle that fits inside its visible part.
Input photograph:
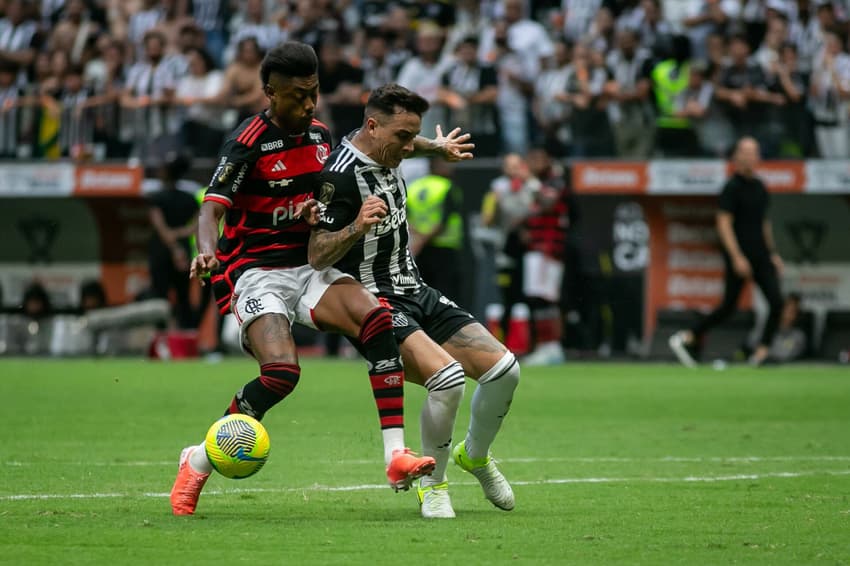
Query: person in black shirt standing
(746, 238)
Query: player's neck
(364, 145)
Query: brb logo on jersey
(272, 145)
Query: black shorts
(428, 310)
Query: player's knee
(448, 384)
(506, 370)
(377, 320)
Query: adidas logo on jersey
(279, 166)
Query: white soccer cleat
(680, 349)
(435, 502)
(496, 488)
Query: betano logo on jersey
(395, 219)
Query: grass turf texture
(611, 464)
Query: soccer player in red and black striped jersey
(264, 181)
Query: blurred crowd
(585, 78)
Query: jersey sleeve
(726, 202)
(341, 200)
(233, 165)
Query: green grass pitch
(611, 464)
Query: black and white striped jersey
(381, 260)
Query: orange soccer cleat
(188, 485)
(405, 466)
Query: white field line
(528, 460)
(368, 487)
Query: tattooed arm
(326, 247)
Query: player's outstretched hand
(201, 265)
(372, 212)
(454, 146)
(309, 211)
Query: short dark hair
(389, 98)
(290, 59)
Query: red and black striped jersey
(262, 175)
(547, 227)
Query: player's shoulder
(342, 160)
(249, 131)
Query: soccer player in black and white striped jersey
(439, 341)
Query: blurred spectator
(434, 206)
(525, 37)
(470, 22)
(544, 233)
(76, 131)
(36, 303)
(242, 89)
(9, 97)
(828, 93)
(707, 132)
(787, 79)
(171, 23)
(341, 89)
(148, 97)
(377, 68)
(198, 93)
(506, 207)
(515, 85)
(589, 95)
(19, 40)
(707, 18)
(73, 31)
(469, 90)
(210, 16)
(551, 108)
(312, 20)
(143, 21)
(254, 23)
(92, 296)
(578, 16)
(422, 73)
(631, 114)
(745, 96)
(655, 33)
(602, 31)
(670, 78)
(173, 215)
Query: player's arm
(455, 146)
(209, 221)
(327, 247)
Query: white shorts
(293, 292)
(542, 276)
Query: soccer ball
(237, 446)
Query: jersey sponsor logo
(395, 219)
(316, 137)
(326, 193)
(279, 166)
(280, 183)
(447, 301)
(272, 145)
(240, 177)
(399, 320)
(388, 364)
(400, 280)
(253, 305)
(283, 213)
(322, 153)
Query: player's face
(292, 101)
(393, 136)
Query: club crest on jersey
(326, 193)
(322, 153)
(399, 320)
(272, 145)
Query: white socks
(198, 459)
(393, 440)
(490, 404)
(437, 421)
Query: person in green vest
(670, 78)
(434, 205)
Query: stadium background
(645, 247)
